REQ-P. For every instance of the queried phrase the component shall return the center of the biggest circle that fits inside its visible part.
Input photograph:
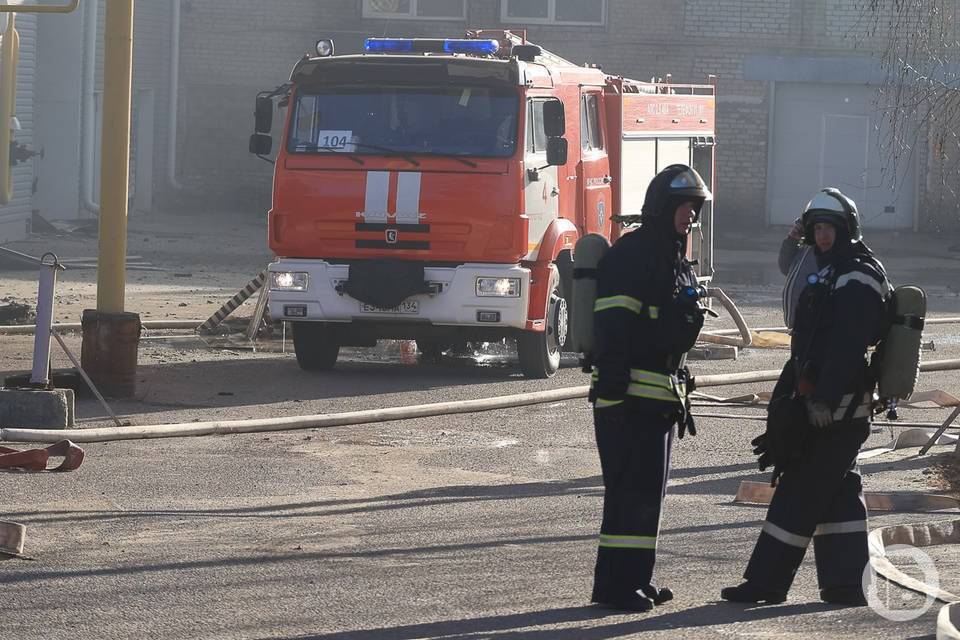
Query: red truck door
(593, 172)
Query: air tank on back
(900, 350)
(586, 256)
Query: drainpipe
(89, 114)
(174, 99)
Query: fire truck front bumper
(472, 294)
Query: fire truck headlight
(498, 287)
(288, 281)
(325, 48)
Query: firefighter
(819, 417)
(647, 315)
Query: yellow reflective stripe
(652, 378)
(654, 312)
(639, 390)
(618, 302)
(628, 542)
(602, 403)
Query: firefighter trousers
(818, 497)
(635, 460)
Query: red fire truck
(434, 189)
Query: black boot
(747, 592)
(659, 596)
(849, 596)
(632, 602)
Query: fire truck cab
(434, 189)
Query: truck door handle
(607, 179)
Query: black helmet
(830, 205)
(676, 183)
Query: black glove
(760, 449)
(685, 420)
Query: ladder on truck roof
(514, 39)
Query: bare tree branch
(916, 43)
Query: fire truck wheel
(316, 348)
(539, 352)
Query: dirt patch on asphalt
(946, 472)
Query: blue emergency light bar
(431, 45)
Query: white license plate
(407, 306)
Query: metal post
(115, 162)
(40, 375)
(111, 335)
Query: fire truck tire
(315, 346)
(539, 351)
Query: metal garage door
(825, 135)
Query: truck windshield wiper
(375, 147)
(316, 147)
(469, 163)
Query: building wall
(152, 30)
(15, 215)
(49, 96)
(234, 48)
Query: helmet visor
(826, 202)
(690, 181)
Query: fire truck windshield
(403, 120)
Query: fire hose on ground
(224, 427)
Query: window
(448, 120)
(591, 137)
(536, 135)
(584, 12)
(415, 9)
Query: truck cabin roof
(405, 69)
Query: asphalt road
(470, 526)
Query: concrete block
(713, 352)
(38, 409)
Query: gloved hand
(818, 414)
(760, 449)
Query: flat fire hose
(908, 439)
(760, 493)
(37, 459)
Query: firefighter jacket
(646, 317)
(841, 313)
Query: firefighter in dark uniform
(647, 315)
(819, 417)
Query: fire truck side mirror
(556, 151)
(554, 121)
(261, 144)
(263, 114)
